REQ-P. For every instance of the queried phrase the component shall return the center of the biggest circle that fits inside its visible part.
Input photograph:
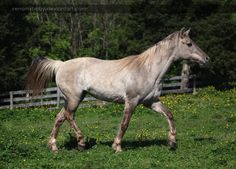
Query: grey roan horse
(132, 80)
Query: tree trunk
(74, 35)
(105, 21)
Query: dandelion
(227, 125)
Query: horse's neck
(160, 67)
(165, 68)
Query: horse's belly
(106, 96)
(106, 93)
(107, 88)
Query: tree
(25, 35)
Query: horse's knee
(170, 115)
(124, 126)
(159, 107)
(60, 122)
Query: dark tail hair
(40, 72)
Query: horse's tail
(41, 71)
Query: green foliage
(52, 41)
(205, 135)
(93, 43)
(116, 35)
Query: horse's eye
(189, 44)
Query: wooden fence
(52, 97)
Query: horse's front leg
(128, 110)
(159, 107)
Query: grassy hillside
(206, 133)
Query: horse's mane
(146, 57)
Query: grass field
(206, 136)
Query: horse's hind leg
(67, 113)
(70, 109)
(58, 122)
(159, 107)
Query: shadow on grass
(71, 143)
(205, 139)
(134, 144)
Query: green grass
(206, 135)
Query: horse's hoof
(53, 148)
(52, 145)
(55, 151)
(118, 151)
(116, 148)
(173, 145)
(81, 147)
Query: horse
(132, 80)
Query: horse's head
(187, 49)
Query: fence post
(185, 76)
(11, 100)
(41, 98)
(58, 97)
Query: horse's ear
(182, 32)
(187, 32)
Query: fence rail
(53, 97)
